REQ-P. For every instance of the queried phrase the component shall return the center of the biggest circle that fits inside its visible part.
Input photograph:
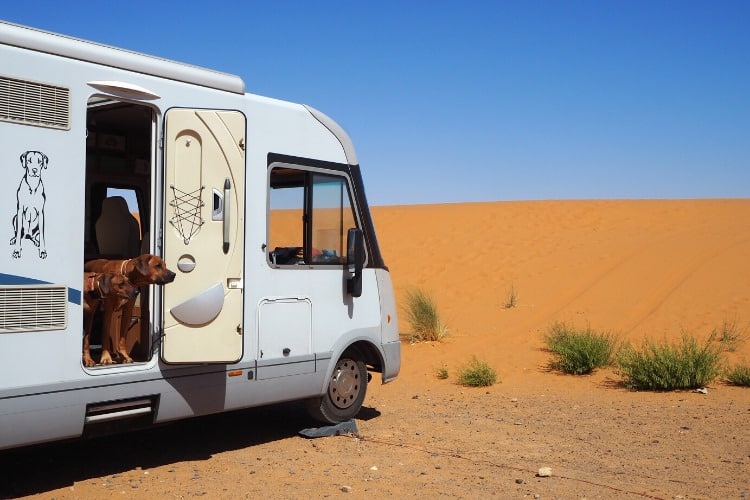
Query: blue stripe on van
(74, 295)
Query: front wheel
(345, 394)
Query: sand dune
(639, 268)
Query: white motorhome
(256, 204)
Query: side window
(310, 213)
(332, 216)
(130, 195)
(115, 222)
(285, 216)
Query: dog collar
(124, 265)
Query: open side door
(204, 235)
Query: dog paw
(13, 241)
(42, 254)
(88, 361)
(106, 359)
(17, 254)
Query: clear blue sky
(452, 101)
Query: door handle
(227, 188)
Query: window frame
(308, 221)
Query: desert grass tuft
(422, 313)
(738, 375)
(667, 367)
(442, 372)
(579, 352)
(477, 374)
(512, 298)
(729, 335)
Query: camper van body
(256, 204)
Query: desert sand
(636, 268)
(639, 269)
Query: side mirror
(355, 258)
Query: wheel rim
(345, 383)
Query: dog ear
(24, 157)
(105, 283)
(45, 160)
(141, 264)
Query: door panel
(203, 235)
(286, 328)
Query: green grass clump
(477, 374)
(578, 352)
(666, 367)
(442, 372)
(738, 375)
(422, 313)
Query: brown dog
(146, 269)
(113, 291)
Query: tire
(345, 393)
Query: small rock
(544, 472)
(702, 390)
(374, 467)
(514, 400)
(346, 489)
(519, 481)
(416, 396)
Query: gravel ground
(427, 439)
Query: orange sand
(639, 268)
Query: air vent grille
(34, 103)
(33, 308)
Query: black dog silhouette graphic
(28, 223)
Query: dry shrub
(422, 313)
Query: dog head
(152, 270)
(34, 162)
(118, 285)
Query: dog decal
(28, 222)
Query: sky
(460, 101)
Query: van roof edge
(84, 50)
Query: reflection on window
(310, 214)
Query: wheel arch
(371, 355)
